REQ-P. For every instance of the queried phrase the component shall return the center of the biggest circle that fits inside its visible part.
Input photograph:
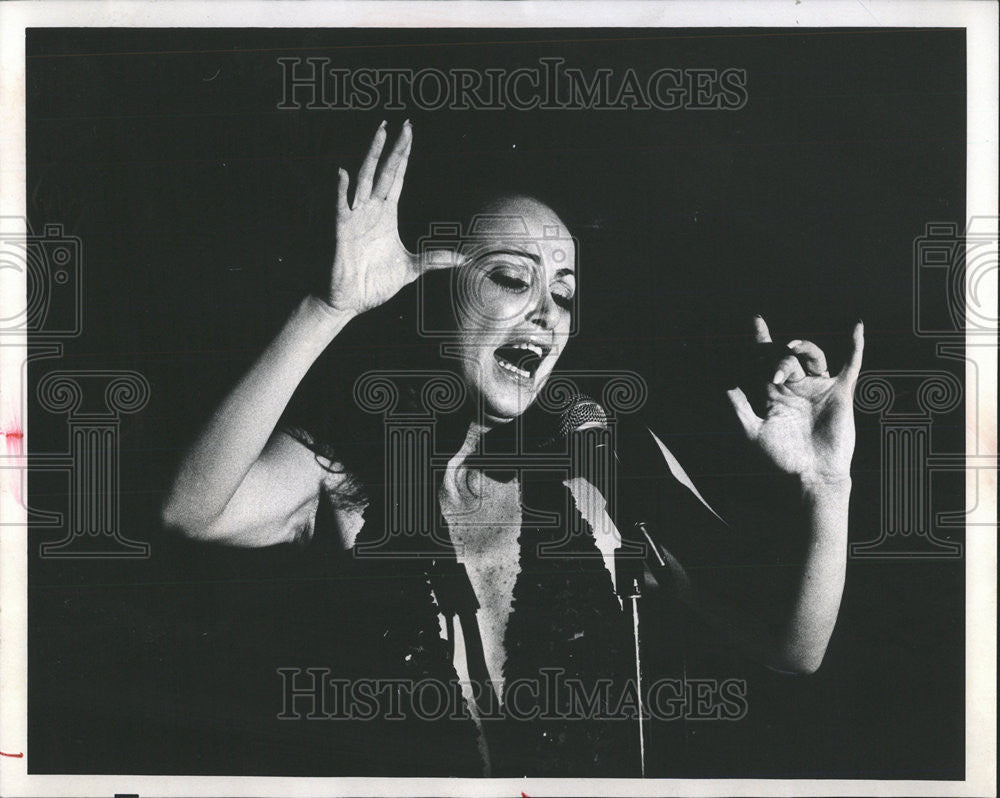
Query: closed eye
(516, 285)
(508, 282)
(563, 301)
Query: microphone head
(581, 412)
(555, 420)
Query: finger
(396, 187)
(387, 173)
(789, 369)
(760, 332)
(363, 189)
(344, 179)
(811, 357)
(852, 368)
(748, 419)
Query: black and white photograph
(497, 399)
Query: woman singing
(477, 608)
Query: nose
(543, 313)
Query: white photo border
(979, 19)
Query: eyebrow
(524, 254)
(515, 252)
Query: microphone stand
(593, 454)
(630, 592)
(629, 578)
(636, 551)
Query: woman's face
(517, 290)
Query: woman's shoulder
(339, 485)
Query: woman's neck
(457, 473)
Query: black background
(205, 213)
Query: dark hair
(324, 413)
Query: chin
(502, 406)
(503, 399)
(505, 390)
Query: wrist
(814, 483)
(314, 324)
(326, 315)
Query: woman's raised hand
(807, 427)
(371, 264)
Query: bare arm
(240, 482)
(790, 635)
(807, 431)
(229, 487)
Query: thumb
(443, 258)
(852, 368)
(750, 420)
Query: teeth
(512, 368)
(530, 347)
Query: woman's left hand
(807, 428)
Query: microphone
(594, 458)
(581, 412)
(653, 502)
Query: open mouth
(521, 359)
